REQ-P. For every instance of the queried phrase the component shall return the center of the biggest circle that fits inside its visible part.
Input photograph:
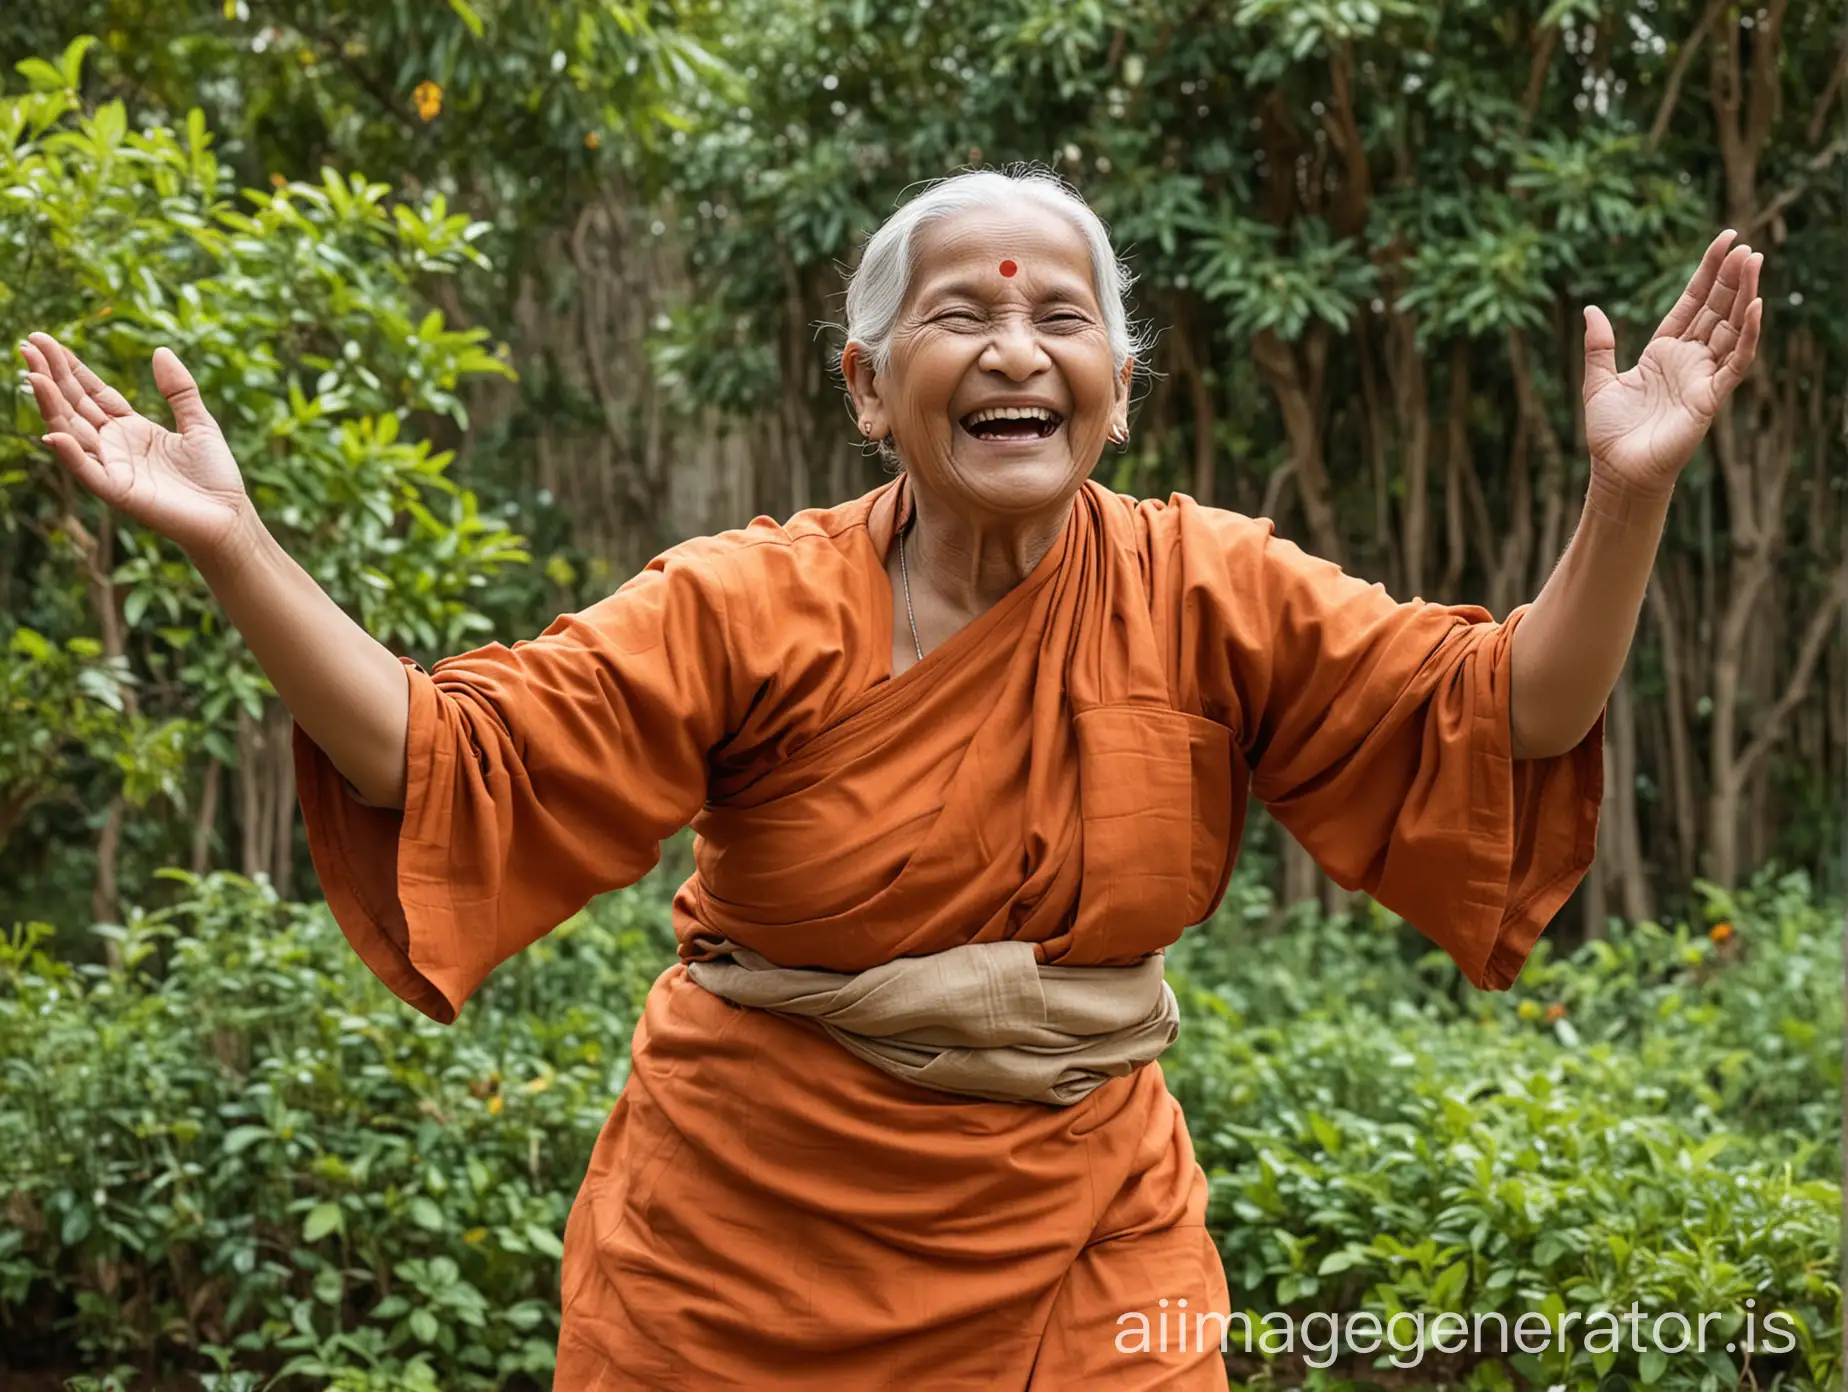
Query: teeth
(1011, 413)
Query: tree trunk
(1300, 872)
(104, 905)
(281, 759)
(1628, 868)
(204, 823)
(1679, 774)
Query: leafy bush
(240, 1142)
(295, 306)
(237, 1145)
(1656, 1120)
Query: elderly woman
(963, 756)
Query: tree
(295, 307)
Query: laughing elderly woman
(963, 756)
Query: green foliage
(237, 1137)
(1153, 113)
(56, 702)
(240, 1138)
(296, 309)
(1656, 1120)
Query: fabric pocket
(1136, 800)
(1218, 786)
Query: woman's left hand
(1642, 425)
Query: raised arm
(345, 688)
(1642, 427)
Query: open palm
(183, 483)
(1642, 426)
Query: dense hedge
(239, 1152)
(1656, 1121)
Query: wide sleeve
(1379, 735)
(536, 777)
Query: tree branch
(1830, 90)
(1536, 76)
(1672, 92)
(1814, 636)
(1821, 160)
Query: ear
(863, 387)
(1119, 409)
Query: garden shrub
(237, 1149)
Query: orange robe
(763, 1210)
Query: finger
(112, 402)
(1748, 290)
(1721, 298)
(182, 393)
(59, 415)
(66, 379)
(1600, 352)
(1726, 336)
(87, 470)
(1695, 295)
(50, 401)
(1739, 361)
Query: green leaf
(70, 63)
(111, 123)
(41, 75)
(466, 12)
(1326, 1133)
(1650, 1367)
(75, 1227)
(545, 1241)
(242, 1138)
(424, 1326)
(425, 1214)
(322, 1220)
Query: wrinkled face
(1000, 393)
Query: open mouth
(1012, 424)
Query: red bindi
(1008, 268)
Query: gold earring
(866, 427)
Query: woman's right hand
(182, 483)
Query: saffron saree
(1071, 769)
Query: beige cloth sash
(983, 1019)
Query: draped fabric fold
(980, 1020)
(1065, 777)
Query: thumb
(1600, 351)
(182, 393)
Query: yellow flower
(1528, 1010)
(474, 1235)
(592, 141)
(429, 99)
(495, 1103)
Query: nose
(1014, 349)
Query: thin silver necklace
(905, 575)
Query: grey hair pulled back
(877, 287)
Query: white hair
(877, 288)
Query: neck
(967, 564)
